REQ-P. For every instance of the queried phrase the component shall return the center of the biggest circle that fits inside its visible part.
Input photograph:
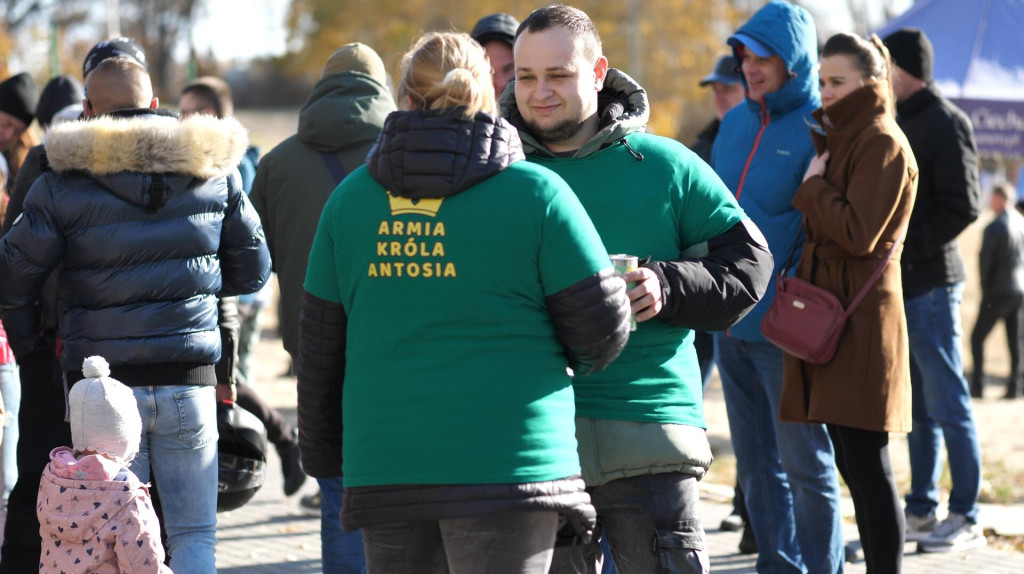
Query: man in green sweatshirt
(640, 422)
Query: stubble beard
(562, 131)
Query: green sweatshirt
(454, 374)
(657, 208)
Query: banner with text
(998, 125)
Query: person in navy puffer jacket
(146, 229)
(786, 470)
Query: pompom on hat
(104, 414)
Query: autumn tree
(667, 45)
(160, 26)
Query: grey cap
(498, 26)
(726, 72)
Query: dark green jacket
(342, 116)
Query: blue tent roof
(979, 45)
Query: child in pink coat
(94, 514)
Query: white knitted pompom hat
(104, 415)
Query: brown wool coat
(852, 216)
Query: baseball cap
(498, 26)
(112, 48)
(724, 73)
(751, 44)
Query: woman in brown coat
(856, 199)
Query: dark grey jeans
(510, 542)
(652, 523)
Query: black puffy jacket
(146, 231)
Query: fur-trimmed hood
(200, 146)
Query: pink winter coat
(96, 517)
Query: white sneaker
(919, 527)
(954, 534)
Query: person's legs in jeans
(510, 542)
(941, 400)
(653, 523)
(250, 309)
(42, 410)
(10, 388)
(758, 465)
(809, 463)
(180, 443)
(786, 469)
(405, 548)
(863, 459)
(340, 552)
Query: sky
(243, 29)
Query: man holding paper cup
(702, 265)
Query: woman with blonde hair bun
(450, 284)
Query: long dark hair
(870, 56)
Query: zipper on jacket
(766, 119)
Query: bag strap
(875, 276)
(333, 163)
(792, 251)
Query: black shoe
(732, 523)
(310, 504)
(294, 477)
(747, 543)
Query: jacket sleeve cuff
(713, 292)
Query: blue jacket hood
(788, 30)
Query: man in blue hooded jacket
(786, 470)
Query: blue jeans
(179, 441)
(941, 405)
(10, 388)
(341, 552)
(787, 470)
(652, 524)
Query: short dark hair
(572, 19)
(1005, 191)
(215, 92)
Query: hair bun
(95, 367)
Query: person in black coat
(942, 140)
(1002, 286)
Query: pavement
(270, 534)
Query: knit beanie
(911, 49)
(104, 414)
(356, 57)
(58, 94)
(113, 48)
(18, 97)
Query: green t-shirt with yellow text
(454, 374)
